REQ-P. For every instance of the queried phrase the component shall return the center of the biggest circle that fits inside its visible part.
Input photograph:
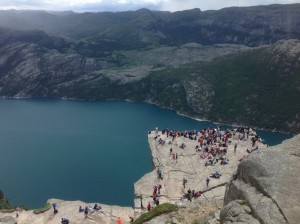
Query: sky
(125, 5)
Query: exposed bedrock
(266, 187)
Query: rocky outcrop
(237, 212)
(268, 184)
(70, 210)
(190, 166)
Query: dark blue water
(77, 150)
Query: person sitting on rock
(96, 207)
(198, 194)
(182, 146)
(210, 163)
(64, 221)
(224, 161)
(216, 174)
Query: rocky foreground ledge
(188, 165)
(265, 189)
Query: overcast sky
(124, 5)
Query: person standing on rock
(207, 181)
(149, 206)
(54, 208)
(119, 220)
(159, 173)
(131, 219)
(17, 211)
(235, 146)
(86, 211)
(184, 181)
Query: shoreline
(151, 103)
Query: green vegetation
(252, 88)
(4, 204)
(6, 207)
(243, 202)
(159, 210)
(7, 210)
(41, 210)
(257, 87)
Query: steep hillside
(224, 83)
(259, 87)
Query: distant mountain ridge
(212, 65)
(251, 26)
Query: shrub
(41, 210)
(158, 210)
(7, 210)
(243, 202)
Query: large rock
(268, 182)
(237, 212)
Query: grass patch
(41, 210)
(243, 202)
(4, 204)
(158, 210)
(9, 210)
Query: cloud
(176, 5)
(123, 5)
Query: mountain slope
(224, 83)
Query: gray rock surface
(7, 220)
(269, 182)
(190, 166)
(69, 209)
(235, 212)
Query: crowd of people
(211, 145)
(155, 197)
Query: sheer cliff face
(265, 188)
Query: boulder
(237, 212)
(268, 181)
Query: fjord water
(81, 150)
